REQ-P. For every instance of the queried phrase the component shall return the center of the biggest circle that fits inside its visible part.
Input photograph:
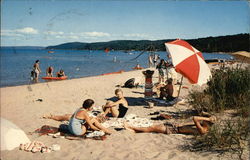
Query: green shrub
(229, 88)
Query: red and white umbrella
(188, 61)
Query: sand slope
(19, 104)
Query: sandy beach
(19, 104)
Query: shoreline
(44, 81)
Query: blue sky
(52, 22)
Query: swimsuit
(75, 125)
(122, 110)
(171, 128)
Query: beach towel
(166, 103)
(131, 119)
(63, 132)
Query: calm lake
(16, 64)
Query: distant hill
(23, 47)
(228, 43)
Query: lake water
(16, 64)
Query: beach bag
(130, 83)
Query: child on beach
(201, 126)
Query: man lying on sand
(110, 107)
(201, 126)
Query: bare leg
(155, 128)
(84, 129)
(113, 110)
(65, 117)
(99, 126)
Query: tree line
(228, 43)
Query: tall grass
(227, 135)
(229, 88)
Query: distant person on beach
(49, 71)
(167, 91)
(161, 67)
(150, 61)
(171, 73)
(156, 57)
(36, 70)
(60, 73)
(117, 108)
(201, 126)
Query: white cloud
(27, 30)
(18, 32)
(96, 34)
(73, 37)
(136, 35)
(10, 33)
(53, 33)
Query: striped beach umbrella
(188, 61)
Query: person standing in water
(36, 70)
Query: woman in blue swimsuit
(80, 120)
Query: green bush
(229, 88)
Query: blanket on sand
(63, 132)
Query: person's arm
(38, 67)
(88, 121)
(113, 104)
(197, 123)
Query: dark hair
(37, 61)
(118, 90)
(87, 103)
(170, 80)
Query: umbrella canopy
(188, 61)
(11, 135)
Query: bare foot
(127, 127)
(48, 116)
(165, 116)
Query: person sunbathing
(167, 90)
(201, 126)
(117, 108)
(80, 121)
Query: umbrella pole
(180, 87)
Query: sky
(53, 22)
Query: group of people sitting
(80, 121)
(49, 72)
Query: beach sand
(19, 104)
